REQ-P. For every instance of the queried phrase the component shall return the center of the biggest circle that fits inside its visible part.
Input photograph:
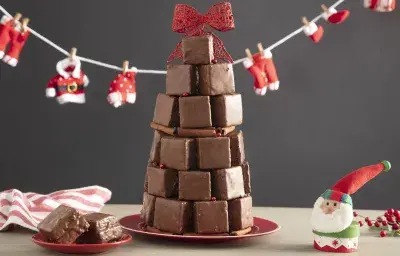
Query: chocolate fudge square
(147, 212)
(63, 225)
(211, 217)
(178, 153)
(104, 228)
(195, 112)
(198, 50)
(227, 183)
(246, 177)
(216, 79)
(227, 110)
(195, 186)
(156, 146)
(213, 153)
(237, 148)
(181, 79)
(172, 215)
(240, 213)
(162, 182)
(166, 111)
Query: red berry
(382, 234)
(369, 223)
(185, 94)
(384, 223)
(355, 214)
(214, 61)
(162, 166)
(397, 214)
(379, 219)
(213, 198)
(361, 223)
(377, 224)
(395, 226)
(367, 219)
(386, 214)
(389, 218)
(390, 211)
(218, 134)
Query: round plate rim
(196, 237)
(127, 238)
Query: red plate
(261, 227)
(80, 248)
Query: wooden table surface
(294, 238)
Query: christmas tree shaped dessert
(198, 179)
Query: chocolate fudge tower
(197, 179)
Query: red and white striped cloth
(29, 209)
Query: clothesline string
(146, 71)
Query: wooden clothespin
(25, 22)
(17, 16)
(324, 8)
(260, 49)
(305, 21)
(72, 53)
(125, 67)
(249, 55)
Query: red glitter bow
(190, 22)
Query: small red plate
(80, 248)
(261, 227)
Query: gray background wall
(337, 108)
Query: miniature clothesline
(146, 71)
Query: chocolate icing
(198, 50)
(172, 215)
(195, 112)
(147, 212)
(227, 110)
(237, 148)
(166, 111)
(211, 217)
(103, 228)
(246, 177)
(216, 79)
(240, 213)
(63, 225)
(181, 79)
(178, 153)
(162, 182)
(213, 153)
(228, 183)
(194, 186)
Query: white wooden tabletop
(294, 238)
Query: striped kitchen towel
(29, 209)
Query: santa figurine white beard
(337, 221)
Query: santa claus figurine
(380, 5)
(332, 217)
(68, 86)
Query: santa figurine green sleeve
(332, 217)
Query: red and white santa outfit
(123, 89)
(313, 31)
(263, 70)
(334, 16)
(18, 41)
(7, 27)
(380, 5)
(332, 218)
(68, 86)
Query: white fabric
(131, 98)
(326, 15)
(63, 64)
(349, 243)
(50, 92)
(71, 98)
(260, 91)
(10, 61)
(267, 54)
(85, 81)
(338, 221)
(247, 63)
(310, 29)
(1, 54)
(4, 19)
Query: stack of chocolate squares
(197, 179)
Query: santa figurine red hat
(312, 30)
(380, 5)
(332, 217)
(334, 16)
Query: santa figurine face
(330, 216)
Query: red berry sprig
(388, 224)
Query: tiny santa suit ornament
(332, 217)
(261, 66)
(312, 30)
(68, 85)
(123, 88)
(334, 16)
(380, 5)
